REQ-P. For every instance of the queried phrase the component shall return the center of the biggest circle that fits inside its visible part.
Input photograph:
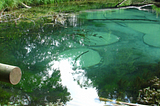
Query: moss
(4, 96)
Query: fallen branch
(80, 56)
(11, 20)
(127, 7)
(144, 1)
(140, 7)
(121, 19)
(119, 102)
(25, 5)
(120, 3)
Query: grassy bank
(12, 4)
(18, 3)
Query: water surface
(104, 53)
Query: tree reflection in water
(35, 46)
(32, 47)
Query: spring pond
(98, 53)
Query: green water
(104, 53)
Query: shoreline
(126, 7)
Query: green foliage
(4, 96)
(126, 3)
(32, 82)
(2, 3)
(157, 9)
(104, 3)
(14, 3)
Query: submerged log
(120, 102)
(10, 74)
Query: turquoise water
(102, 53)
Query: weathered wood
(119, 102)
(25, 5)
(120, 3)
(10, 74)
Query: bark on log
(10, 74)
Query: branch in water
(79, 56)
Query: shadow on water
(57, 60)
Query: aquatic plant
(125, 59)
(151, 94)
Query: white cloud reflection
(81, 96)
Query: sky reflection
(82, 96)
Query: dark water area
(92, 54)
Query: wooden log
(119, 102)
(10, 74)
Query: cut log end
(15, 76)
(10, 74)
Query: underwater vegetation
(151, 94)
(119, 80)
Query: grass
(16, 3)
(12, 4)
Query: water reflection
(121, 74)
(71, 59)
(32, 51)
(69, 76)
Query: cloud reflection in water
(81, 96)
